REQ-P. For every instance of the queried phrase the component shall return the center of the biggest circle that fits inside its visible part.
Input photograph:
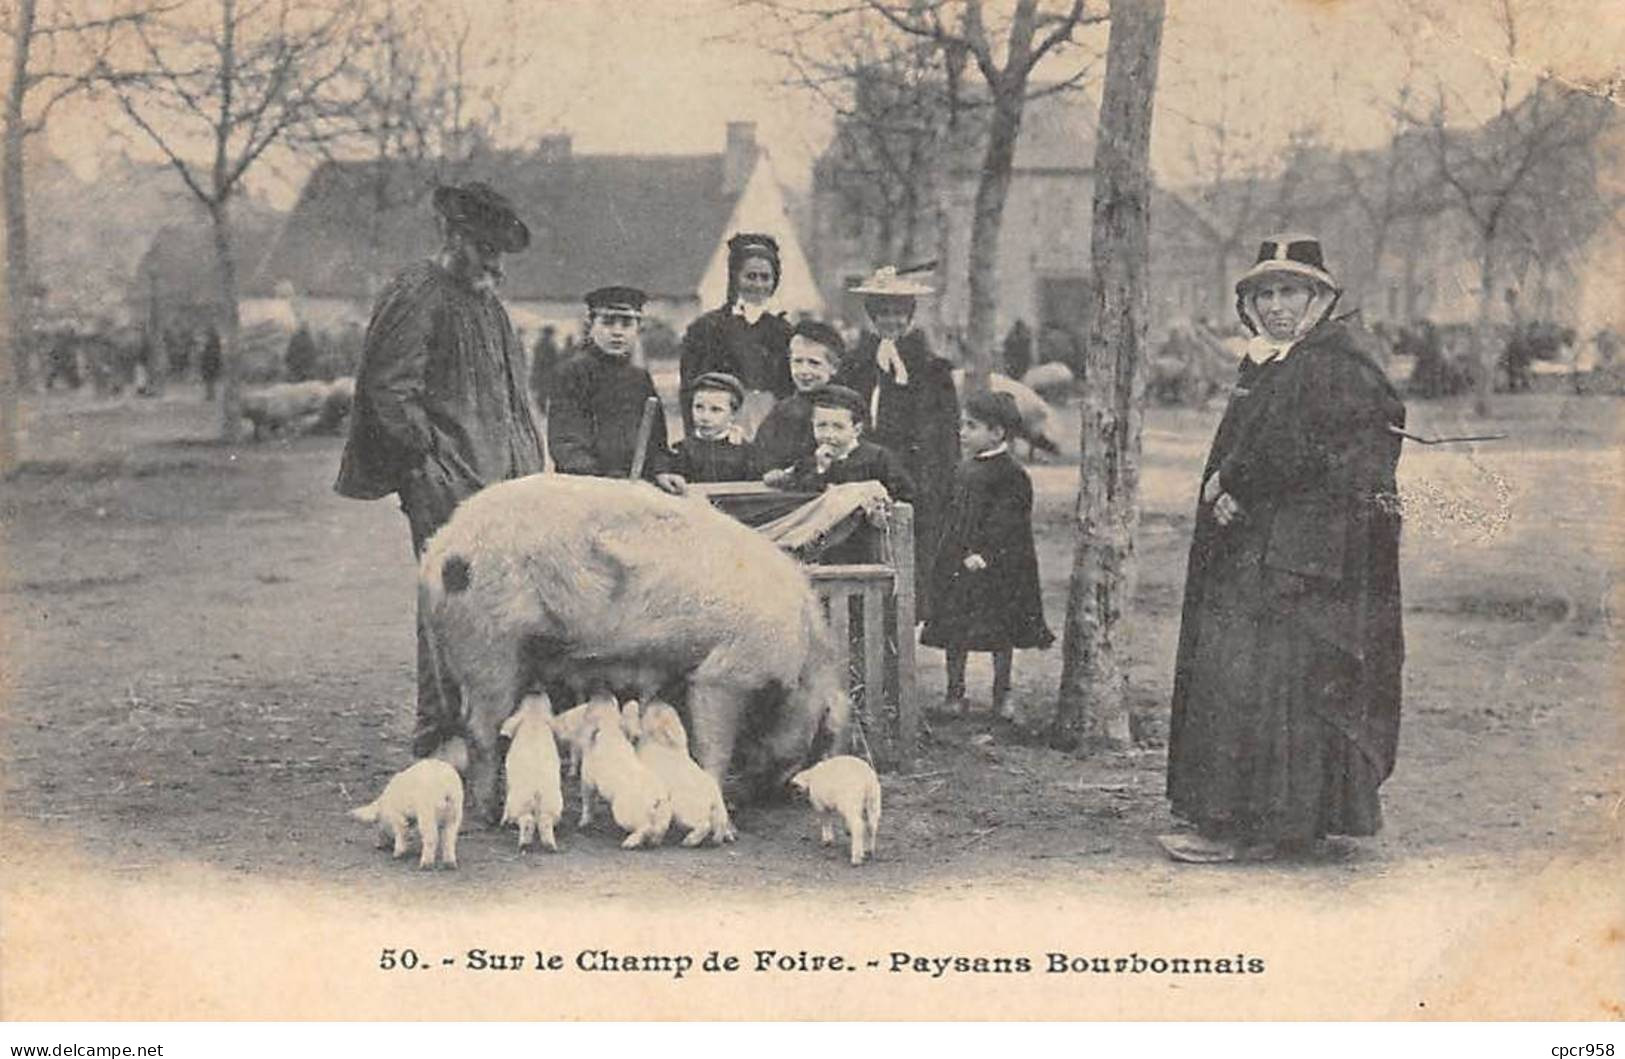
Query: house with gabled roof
(177, 282)
(660, 222)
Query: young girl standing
(985, 573)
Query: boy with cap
(710, 451)
(841, 454)
(785, 436)
(599, 398)
(984, 576)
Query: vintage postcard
(1159, 462)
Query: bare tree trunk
(992, 191)
(9, 404)
(1483, 340)
(1221, 281)
(231, 372)
(18, 278)
(1093, 705)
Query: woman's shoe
(1194, 849)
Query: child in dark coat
(712, 452)
(785, 436)
(841, 454)
(985, 573)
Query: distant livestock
(1035, 412)
(312, 407)
(1052, 381)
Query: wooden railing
(870, 607)
(877, 653)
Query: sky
(665, 76)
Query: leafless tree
(1391, 188)
(897, 116)
(1504, 178)
(1003, 44)
(1092, 706)
(1241, 184)
(229, 80)
(57, 52)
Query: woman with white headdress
(745, 337)
(913, 406)
(1287, 682)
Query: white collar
(998, 450)
(752, 313)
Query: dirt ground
(208, 657)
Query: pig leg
(826, 832)
(397, 827)
(854, 830)
(429, 832)
(545, 826)
(488, 699)
(713, 710)
(586, 802)
(527, 827)
(448, 837)
(697, 836)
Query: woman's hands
(1225, 508)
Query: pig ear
(511, 725)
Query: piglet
(696, 800)
(610, 767)
(428, 793)
(535, 800)
(847, 786)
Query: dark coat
(441, 374)
(758, 354)
(919, 422)
(1287, 682)
(785, 435)
(711, 460)
(999, 607)
(867, 462)
(593, 416)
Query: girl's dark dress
(999, 607)
(1287, 682)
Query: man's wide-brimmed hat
(1289, 252)
(886, 283)
(484, 213)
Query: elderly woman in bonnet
(913, 406)
(1285, 712)
(744, 338)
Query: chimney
(739, 157)
(553, 148)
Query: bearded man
(440, 406)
